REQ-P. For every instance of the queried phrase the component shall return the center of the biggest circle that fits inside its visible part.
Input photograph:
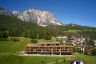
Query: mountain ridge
(49, 14)
(43, 18)
(5, 12)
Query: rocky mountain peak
(43, 18)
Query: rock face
(5, 12)
(43, 18)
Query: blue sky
(81, 12)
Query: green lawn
(53, 39)
(9, 48)
(13, 59)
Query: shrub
(85, 52)
(94, 51)
(75, 48)
(34, 40)
(3, 35)
(15, 39)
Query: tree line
(17, 28)
(11, 26)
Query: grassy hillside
(10, 46)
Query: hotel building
(48, 48)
